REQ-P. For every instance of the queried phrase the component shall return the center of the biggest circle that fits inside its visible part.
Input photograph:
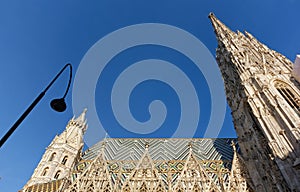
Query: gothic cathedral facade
(265, 102)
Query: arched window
(291, 97)
(45, 171)
(52, 157)
(64, 161)
(57, 174)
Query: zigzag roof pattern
(162, 149)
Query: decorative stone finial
(81, 117)
(233, 146)
(190, 145)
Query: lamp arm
(34, 103)
(58, 74)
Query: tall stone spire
(264, 100)
(247, 52)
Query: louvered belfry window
(57, 174)
(45, 171)
(64, 161)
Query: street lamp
(58, 105)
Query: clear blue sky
(37, 38)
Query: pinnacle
(221, 30)
(81, 117)
(211, 14)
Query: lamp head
(58, 105)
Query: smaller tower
(63, 152)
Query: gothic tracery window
(290, 96)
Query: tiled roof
(162, 149)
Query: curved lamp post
(58, 105)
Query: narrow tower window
(44, 173)
(64, 161)
(57, 174)
(52, 157)
(289, 95)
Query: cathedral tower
(265, 102)
(61, 155)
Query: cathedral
(264, 97)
